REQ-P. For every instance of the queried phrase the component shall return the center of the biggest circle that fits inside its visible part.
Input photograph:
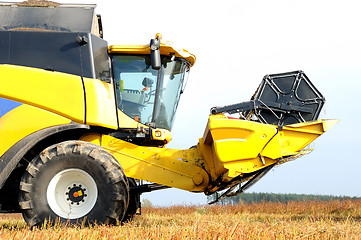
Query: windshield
(147, 95)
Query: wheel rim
(72, 193)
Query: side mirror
(155, 53)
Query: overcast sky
(238, 42)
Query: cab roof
(165, 49)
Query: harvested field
(295, 220)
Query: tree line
(277, 197)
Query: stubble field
(295, 220)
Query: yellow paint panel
(318, 126)
(237, 168)
(244, 146)
(127, 122)
(235, 139)
(212, 165)
(293, 138)
(273, 149)
(94, 138)
(170, 167)
(100, 104)
(55, 92)
(24, 120)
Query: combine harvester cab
(83, 124)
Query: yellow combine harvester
(83, 123)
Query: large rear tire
(74, 182)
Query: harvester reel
(287, 98)
(280, 99)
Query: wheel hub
(76, 194)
